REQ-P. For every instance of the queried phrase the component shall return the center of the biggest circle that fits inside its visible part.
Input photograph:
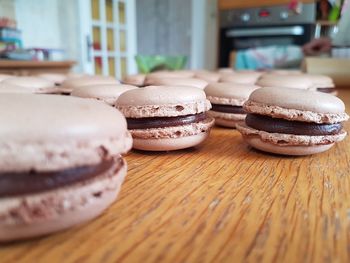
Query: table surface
(220, 202)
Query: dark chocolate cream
(13, 184)
(326, 90)
(161, 122)
(274, 125)
(228, 108)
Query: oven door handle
(266, 31)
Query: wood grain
(231, 4)
(221, 202)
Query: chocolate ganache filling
(326, 90)
(161, 122)
(19, 183)
(273, 125)
(228, 108)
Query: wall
(7, 9)
(164, 27)
(50, 24)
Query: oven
(264, 26)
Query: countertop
(220, 202)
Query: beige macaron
(208, 76)
(299, 81)
(189, 82)
(171, 74)
(71, 83)
(241, 77)
(5, 76)
(293, 121)
(60, 162)
(135, 80)
(33, 84)
(165, 118)
(57, 78)
(106, 93)
(227, 100)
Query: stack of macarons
(293, 121)
(164, 118)
(60, 168)
(227, 100)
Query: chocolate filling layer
(268, 124)
(228, 108)
(161, 122)
(13, 184)
(326, 90)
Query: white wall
(50, 24)
(7, 9)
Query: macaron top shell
(8, 88)
(137, 79)
(107, 93)
(208, 76)
(321, 81)
(162, 101)
(297, 104)
(171, 74)
(54, 77)
(35, 84)
(51, 132)
(71, 83)
(190, 82)
(298, 81)
(5, 76)
(229, 93)
(241, 77)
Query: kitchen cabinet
(231, 4)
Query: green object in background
(147, 64)
(335, 12)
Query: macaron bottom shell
(228, 120)
(226, 123)
(170, 144)
(259, 144)
(28, 216)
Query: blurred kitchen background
(104, 36)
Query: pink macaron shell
(59, 209)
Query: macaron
(322, 83)
(207, 76)
(60, 162)
(54, 77)
(227, 100)
(106, 93)
(189, 82)
(171, 74)
(5, 76)
(225, 70)
(8, 88)
(286, 81)
(33, 84)
(135, 80)
(71, 83)
(163, 118)
(293, 121)
(249, 77)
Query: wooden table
(25, 68)
(221, 202)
